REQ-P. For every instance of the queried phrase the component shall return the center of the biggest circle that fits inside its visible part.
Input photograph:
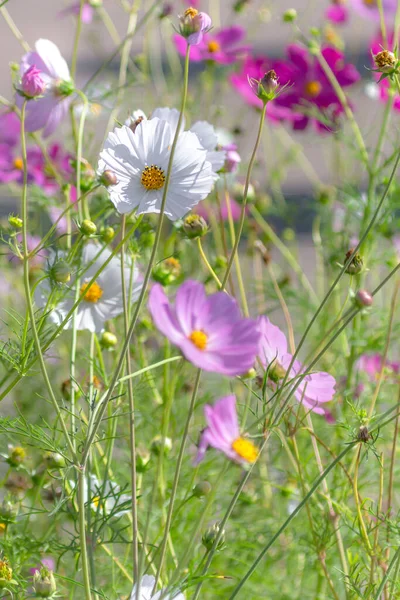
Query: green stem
(395, 558)
(82, 532)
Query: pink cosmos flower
(369, 8)
(236, 210)
(223, 433)
(209, 330)
(32, 84)
(47, 112)
(10, 128)
(74, 9)
(314, 390)
(371, 364)
(337, 12)
(220, 47)
(384, 85)
(193, 25)
(232, 158)
(307, 86)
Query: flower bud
(54, 460)
(108, 178)
(87, 174)
(44, 583)
(194, 226)
(32, 84)
(66, 389)
(64, 88)
(8, 511)
(88, 228)
(265, 88)
(356, 264)
(15, 222)
(363, 298)
(108, 340)
(201, 489)
(250, 374)
(363, 434)
(60, 272)
(143, 457)
(156, 445)
(290, 15)
(5, 573)
(240, 5)
(107, 234)
(385, 61)
(167, 271)
(211, 535)
(16, 456)
(276, 372)
(193, 24)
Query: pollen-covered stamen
(153, 178)
(245, 449)
(18, 164)
(191, 12)
(96, 501)
(92, 293)
(213, 46)
(199, 339)
(313, 89)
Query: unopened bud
(356, 264)
(211, 535)
(276, 372)
(108, 178)
(44, 583)
(87, 174)
(64, 88)
(201, 489)
(385, 61)
(143, 457)
(290, 15)
(66, 389)
(250, 374)
(16, 456)
(193, 24)
(363, 298)
(157, 444)
(108, 340)
(60, 271)
(54, 460)
(15, 222)
(194, 226)
(107, 234)
(88, 228)
(167, 271)
(32, 84)
(363, 434)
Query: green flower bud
(220, 263)
(167, 271)
(54, 460)
(194, 226)
(88, 228)
(65, 88)
(108, 178)
(108, 340)
(8, 511)
(147, 239)
(290, 15)
(60, 271)
(201, 489)
(210, 536)
(356, 265)
(250, 374)
(44, 583)
(156, 445)
(107, 234)
(143, 457)
(276, 372)
(385, 61)
(15, 222)
(16, 456)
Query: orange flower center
(313, 89)
(370, 2)
(18, 164)
(213, 46)
(92, 293)
(199, 339)
(245, 449)
(191, 12)
(153, 178)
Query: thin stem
(361, 523)
(206, 262)
(76, 40)
(395, 558)
(82, 533)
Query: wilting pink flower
(48, 111)
(314, 390)
(384, 85)
(307, 86)
(371, 364)
(32, 84)
(220, 47)
(223, 433)
(337, 12)
(193, 25)
(10, 128)
(74, 9)
(209, 330)
(370, 10)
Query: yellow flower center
(213, 46)
(245, 449)
(199, 339)
(18, 164)
(313, 89)
(96, 501)
(191, 12)
(370, 2)
(3, 527)
(92, 293)
(153, 178)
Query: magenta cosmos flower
(369, 8)
(314, 390)
(307, 86)
(10, 128)
(371, 364)
(209, 330)
(223, 433)
(75, 8)
(221, 47)
(384, 85)
(48, 111)
(337, 12)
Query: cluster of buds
(193, 24)
(32, 84)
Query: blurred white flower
(146, 588)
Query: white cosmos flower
(104, 497)
(146, 588)
(103, 300)
(140, 162)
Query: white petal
(171, 115)
(206, 134)
(52, 58)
